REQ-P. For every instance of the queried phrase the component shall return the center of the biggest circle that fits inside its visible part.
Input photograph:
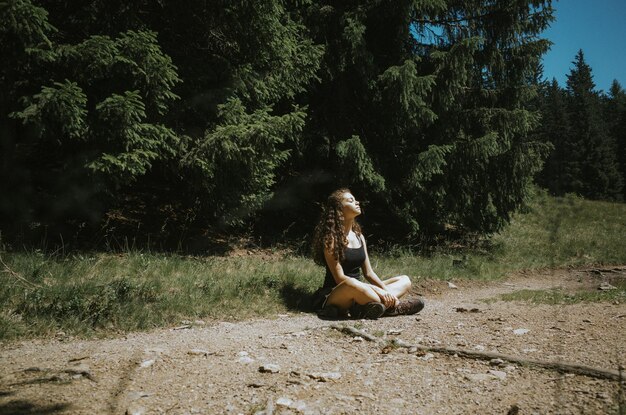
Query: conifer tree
(592, 167)
(430, 97)
(81, 119)
(94, 125)
(616, 118)
(554, 129)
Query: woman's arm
(388, 299)
(335, 267)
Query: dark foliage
(176, 125)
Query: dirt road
(297, 363)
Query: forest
(175, 126)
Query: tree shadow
(21, 407)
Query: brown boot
(406, 307)
(370, 311)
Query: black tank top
(351, 264)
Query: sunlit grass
(555, 232)
(558, 297)
(104, 293)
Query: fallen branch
(471, 354)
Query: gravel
(295, 363)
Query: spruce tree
(149, 116)
(431, 99)
(81, 118)
(554, 129)
(616, 118)
(592, 167)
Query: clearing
(297, 363)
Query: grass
(102, 293)
(557, 297)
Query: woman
(339, 245)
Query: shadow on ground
(20, 407)
(299, 299)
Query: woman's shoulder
(361, 238)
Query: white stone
(245, 360)
(498, 374)
(427, 357)
(520, 332)
(286, 402)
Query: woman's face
(350, 206)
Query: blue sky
(599, 29)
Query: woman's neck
(347, 225)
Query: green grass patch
(101, 293)
(104, 292)
(552, 233)
(559, 297)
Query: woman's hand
(389, 300)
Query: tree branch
(471, 354)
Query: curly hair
(329, 233)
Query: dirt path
(314, 369)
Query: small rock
(498, 374)
(199, 323)
(479, 347)
(243, 354)
(427, 357)
(269, 368)
(496, 362)
(510, 368)
(450, 285)
(605, 286)
(394, 332)
(299, 406)
(325, 376)
(135, 410)
(245, 360)
(286, 402)
(520, 332)
(357, 339)
(147, 363)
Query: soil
(297, 363)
